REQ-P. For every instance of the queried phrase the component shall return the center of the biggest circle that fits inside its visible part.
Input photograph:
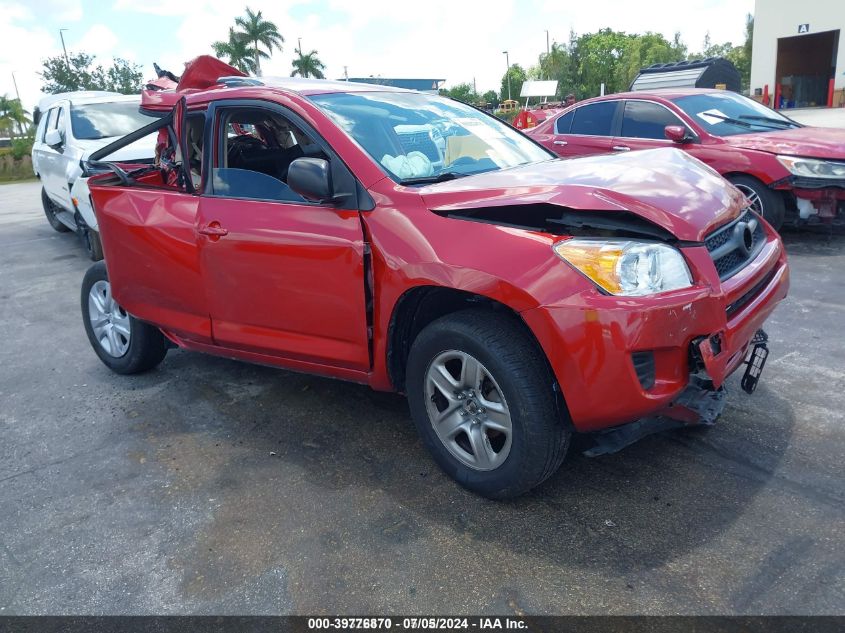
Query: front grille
(420, 142)
(728, 245)
(741, 302)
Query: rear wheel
(124, 344)
(482, 399)
(764, 201)
(50, 209)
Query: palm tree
(12, 112)
(308, 65)
(257, 32)
(238, 52)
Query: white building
(799, 52)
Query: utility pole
(299, 39)
(548, 50)
(346, 73)
(508, 73)
(62, 36)
(18, 94)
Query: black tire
(147, 345)
(771, 203)
(539, 435)
(93, 245)
(50, 212)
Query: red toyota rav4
(413, 243)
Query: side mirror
(311, 179)
(53, 138)
(677, 133)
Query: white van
(71, 126)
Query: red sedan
(413, 243)
(787, 171)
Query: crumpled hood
(141, 149)
(810, 142)
(668, 187)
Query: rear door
(284, 277)
(643, 124)
(148, 229)
(592, 129)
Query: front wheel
(124, 344)
(482, 398)
(764, 201)
(50, 209)
(93, 246)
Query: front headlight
(813, 167)
(625, 267)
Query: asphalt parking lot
(212, 486)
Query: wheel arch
(421, 305)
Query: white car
(71, 126)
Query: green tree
(237, 52)
(308, 65)
(560, 65)
(462, 92)
(13, 114)
(643, 51)
(491, 98)
(740, 56)
(599, 57)
(123, 77)
(79, 72)
(517, 78)
(259, 32)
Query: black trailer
(712, 72)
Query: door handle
(213, 230)
(560, 143)
(621, 148)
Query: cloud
(98, 40)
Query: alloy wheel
(109, 322)
(468, 411)
(753, 198)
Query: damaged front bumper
(701, 402)
(621, 363)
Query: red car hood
(665, 186)
(811, 142)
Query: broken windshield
(417, 137)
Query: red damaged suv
(788, 171)
(416, 244)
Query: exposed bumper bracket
(699, 403)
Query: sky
(456, 40)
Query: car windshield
(727, 113)
(420, 138)
(103, 120)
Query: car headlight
(625, 267)
(813, 167)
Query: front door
(283, 276)
(149, 223)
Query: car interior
(258, 148)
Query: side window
(564, 123)
(256, 149)
(195, 129)
(52, 115)
(42, 128)
(594, 119)
(646, 120)
(60, 120)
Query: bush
(21, 147)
